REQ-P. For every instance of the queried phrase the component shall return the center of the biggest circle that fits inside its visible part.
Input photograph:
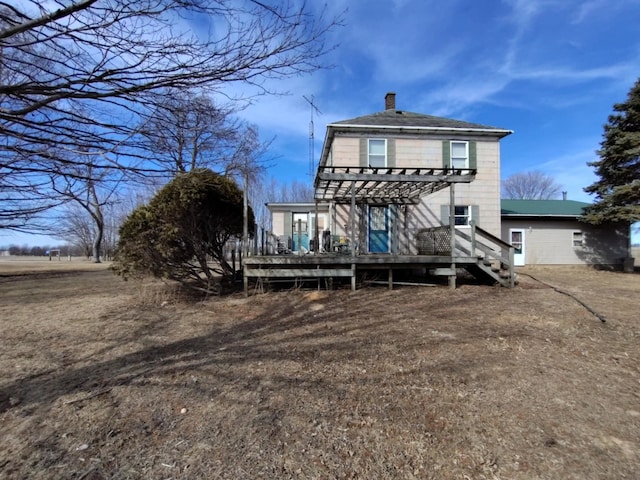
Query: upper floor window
(377, 152)
(459, 154)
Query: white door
(516, 237)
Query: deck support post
(353, 277)
(391, 279)
(452, 228)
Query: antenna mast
(312, 166)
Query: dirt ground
(123, 380)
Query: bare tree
(297, 192)
(77, 74)
(93, 189)
(186, 131)
(77, 227)
(534, 185)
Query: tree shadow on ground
(295, 329)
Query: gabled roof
(393, 118)
(542, 208)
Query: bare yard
(106, 379)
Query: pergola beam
(392, 177)
(385, 185)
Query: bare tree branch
(77, 76)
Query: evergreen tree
(618, 189)
(181, 233)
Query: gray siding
(550, 242)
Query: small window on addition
(578, 240)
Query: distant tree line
(41, 251)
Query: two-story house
(399, 168)
(403, 190)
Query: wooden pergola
(385, 186)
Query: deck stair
(494, 256)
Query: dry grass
(106, 379)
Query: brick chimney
(390, 101)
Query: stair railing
(504, 254)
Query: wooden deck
(491, 264)
(277, 267)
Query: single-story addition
(294, 226)
(549, 232)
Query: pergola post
(452, 229)
(316, 244)
(352, 218)
(332, 225)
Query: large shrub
(181, 233)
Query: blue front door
(378, 229)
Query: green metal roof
(542, 208)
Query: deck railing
(474, 242)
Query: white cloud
(597, 8)
(573, 75)
(587, 8)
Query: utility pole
(312, 166)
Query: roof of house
(542, 208)
(401, 118)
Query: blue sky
(550, 70)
